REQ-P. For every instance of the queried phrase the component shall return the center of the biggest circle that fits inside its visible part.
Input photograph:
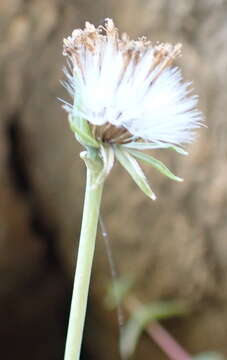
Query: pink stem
(166, 342)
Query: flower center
(111, 134)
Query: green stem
(83, 267)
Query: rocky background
(176, 246)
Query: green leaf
(155, 163)
(117, 291)
(209, 356)
(150, 146)
(133, 168)
(141, 318)
(83, 135)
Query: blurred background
(176, 247)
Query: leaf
(83, 135)
(150, 146)
(141, 318)
(117, 291)
(155, 163)
(133, 168)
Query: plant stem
(166, 342)
(83, 268)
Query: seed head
(129, 89)
(127, 94)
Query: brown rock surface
(176, 246)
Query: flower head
(127, 94)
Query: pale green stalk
(84, 264)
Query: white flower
(130, 85)
(127, 96)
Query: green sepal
(153, 146)
(155, 163)
(83, 134)
(133, 168)
(140, 319)
(81, 123)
